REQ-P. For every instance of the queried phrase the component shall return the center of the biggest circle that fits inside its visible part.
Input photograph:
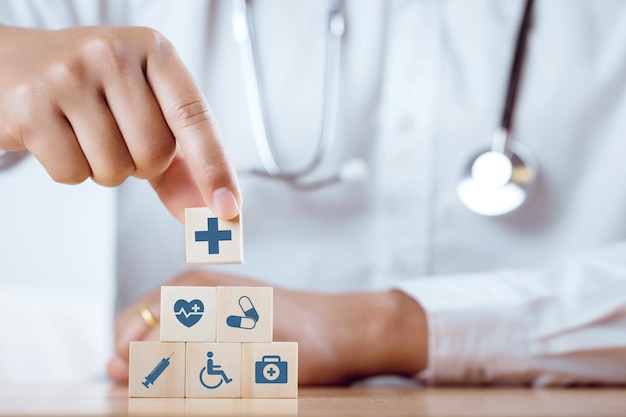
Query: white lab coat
(537, 296)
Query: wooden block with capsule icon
(245, 314)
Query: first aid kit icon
(270, 370)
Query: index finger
(189, 117)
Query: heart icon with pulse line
(188, 312)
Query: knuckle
(19, 124)
(69, 74)
(107, 49)
(190, 112)
(112, 177)
(107, 180)
(157, 43)
(70, 174)
(27, 100)
(155, 158)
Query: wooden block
(188, 314)
(211, 240)
(269, 370)
(213, 370)
(245, 314)
(156, 369)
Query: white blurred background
(56, 295)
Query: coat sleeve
(562, 325)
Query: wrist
(394, 337)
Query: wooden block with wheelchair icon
(243, 361)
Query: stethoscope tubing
(499, 143)
(243, 28)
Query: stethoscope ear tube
(243, 30)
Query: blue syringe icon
(157, 371)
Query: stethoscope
(494, 182)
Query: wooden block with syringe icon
(214, 341)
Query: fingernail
(225, 204)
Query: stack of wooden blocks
(214, 341)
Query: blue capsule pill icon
(241, 322)
(249, 318)
(248, 308)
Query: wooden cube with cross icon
(211, 240)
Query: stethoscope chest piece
(498, 180)
(496, 183)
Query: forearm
(343, 337)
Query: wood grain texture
(103, 399)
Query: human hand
(109, 103)
(341, 337)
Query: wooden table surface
(106, 400)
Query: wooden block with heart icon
(188, 314)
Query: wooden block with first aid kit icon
(211, 240)
(269, 370)
(188, 314)
(245, 314)
(156, 369)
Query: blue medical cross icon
(271, 371)
(213, 236)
